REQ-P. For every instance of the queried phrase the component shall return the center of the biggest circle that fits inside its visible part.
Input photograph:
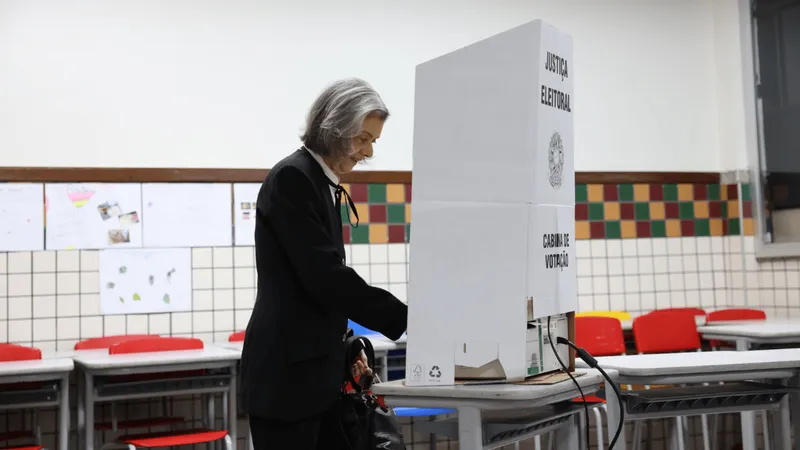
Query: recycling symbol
(435, 372)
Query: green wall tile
(642, 211)
(376, 193)
(733, 227)
(581, 193)
(670, 192)
(626, 192)
(702, 227)
(686, 210)
(396, 213)
(613, 229)
(359, 235)
(746, 192)
(658, 228)
(596, 211)
(713, 192)
(408, 232)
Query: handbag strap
(353, 346)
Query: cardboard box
(493, 253)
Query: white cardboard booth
(494, 210)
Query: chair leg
(537, 442)
(678, 433)
(637, 435)
(598, 418)
(228, 442)
(706, 437)
(765, 429)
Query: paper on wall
(187, 215)
(244, 213)
(138, 281)
(21, 217)
(93, 215)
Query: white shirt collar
(328, 172)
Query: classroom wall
(208, 83)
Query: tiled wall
(641, 246)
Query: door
(778, 45)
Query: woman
(293, 357)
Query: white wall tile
(20, 331)
(20, 284)
(223, 299)
(223, 256)
(243, 257)
(3, 263)
(223, 278)
(44, 283)
(20, 307)
(68, 261)
(68, 305)
(44, 262)
(202, 258)
(44, 330)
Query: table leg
(568, 435)
(794, 407)
(212, 418)
(233, 409)
(747, 418)
(88, 408)
(81, 413)
(782, 427)
(470, 428)
(612, 411)
(63, 414)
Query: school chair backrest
(155, 344)
(666, 331)
(236, 337)
(359, 330)
(107, 341)
(622, 316)
(14, 352)
(699, 312)
(733, 314)
(600, 336)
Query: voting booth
(493, 253)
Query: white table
(522, 401)
(710, 367)
(747, 333)
(43, 370)
(97, 364)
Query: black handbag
(366, 423)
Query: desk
(98, 365)
(753, 332)
(42, 370)
(710, 367)
(527, 404)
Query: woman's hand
(361, 366)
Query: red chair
(14, 353)
(236, 337)
(733, 315)
(105, 342)
(666, 331)
(174, 438)
(600, 336)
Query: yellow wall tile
(673, 228)
(378, 233)
(346, 186)
(408, 212)
(363, 213)
(716, 227)
(595, 192)
(657, 211)
(611, 210)
(733, 209)
(627, 229)
(685, 192)
(701, 209)
(395, 193)
(641, 192)
(747, 227)
(582, 229)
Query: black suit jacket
(293, 357)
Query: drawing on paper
(145, 280)
(245, 196)
(92, 215)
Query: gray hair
(337, 115)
